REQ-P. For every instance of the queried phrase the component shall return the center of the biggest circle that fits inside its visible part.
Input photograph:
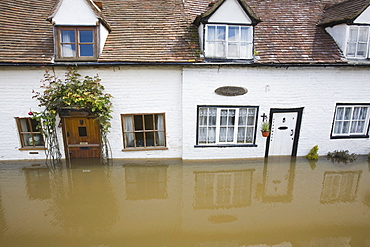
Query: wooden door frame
(299, 112)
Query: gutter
(276, 65)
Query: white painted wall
(177, 93)
(135, 90)
(364, 18)
(230, 12)
(74, 12)
(339, 34)
(316, 89)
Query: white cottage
(192, 79)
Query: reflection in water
(277, 202)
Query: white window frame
(213, 127)
(344, 126)
(226, 42)
(357, 42)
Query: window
(229, 41)
(358, 42)
(76, 43)
(226, 125)
(351, 121)
(30, 136)
(144, 131)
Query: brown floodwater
(279, 202)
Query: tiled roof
(163, 31)
(344, 12)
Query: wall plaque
(231, 91)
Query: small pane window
(358, 42)
(219, 125)
(351, 121)
(229, 41)
(29, 134)
(144, 131)
(77, 43)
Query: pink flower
(30, 113)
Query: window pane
(86, 50)
(128, 126)
(242, 116)
(231, 118)
(222, 137)
(351, 49)
(212, 116)
(68, 36)
(139, 139)
(230, 134)
(363, 35)
(246, 34)
(138, 121)
(211, 135)
(340, 113)
(345, 129)
(223, 118)
(241, 134)
(363, 113)
(68, 50)
(149, 139)
(221, 33)
(202, 135)
(129, 140)
(347, 113)
(338, 127)
(250, 135)
(25, 127)
(361, 50)
(233, 33)
(159, 121)
(148, 119)
(159, 138)
(86, 36)
(233, 50)
(211, 33)
(353, 34)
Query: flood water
(172, 203)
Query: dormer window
(76, 43)
(229, 41)
(358, 42)
(226, 31)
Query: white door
(283, 126)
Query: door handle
(67, 134)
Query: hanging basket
(265, 133)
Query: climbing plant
(73, 92)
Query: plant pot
(265, 133)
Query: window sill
(225, 146)
(144, 149)
(32, 148)
(350, 137)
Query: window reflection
(144, 183)
(340, 186)
(223, 189)
(38, 183)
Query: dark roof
(163, 31)
(344, 12)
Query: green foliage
(265, 127)
(342, 156)
(313, 154)
(81, 93)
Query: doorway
(285, 129)
(81, 137)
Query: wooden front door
(81, 137)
